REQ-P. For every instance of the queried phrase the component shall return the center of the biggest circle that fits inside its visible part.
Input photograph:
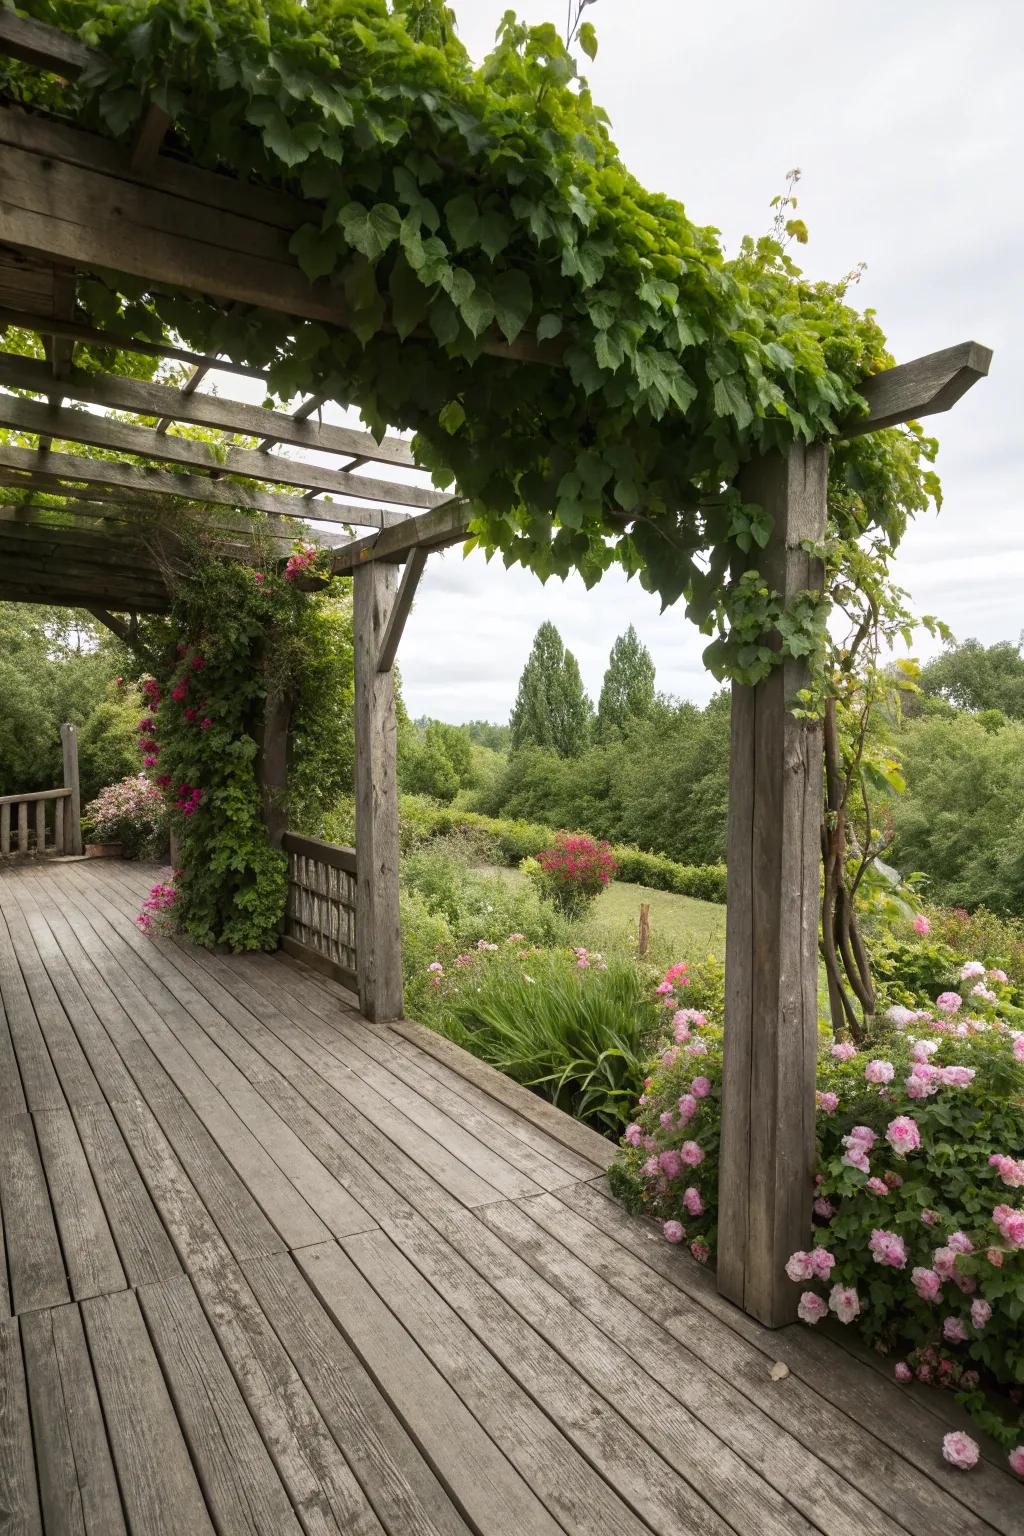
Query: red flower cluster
(578, 860)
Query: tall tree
(627, 693)
(977, 677)
(551, 708)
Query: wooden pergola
(74, 203)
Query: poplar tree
(628, 689)
(551, 709)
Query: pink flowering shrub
(157, 915)
(918, 1204)
(131, 812)
(573, 871)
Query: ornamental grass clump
(918, 1204)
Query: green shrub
(425, 935)
(509, 842)
(475, 905)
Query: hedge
(512, 841)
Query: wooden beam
(77, 330)
(378, 936)
(194, 488)
(148, 443)
(66, 200)
(924, 387)
(401, 608)
(767, 1159)
(117, 393)
(70, 596)
(33, 42)
(445, 525)
(101, 502)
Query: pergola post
(73, 823)
(378, 938)
(273, 766)
(771, 1015)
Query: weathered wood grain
(924, 387)
(771, 1017)
(73, 823)
(34, 1258)
(77, 1483)
(145, 1250)
(243, 1492)
(444, 525)
(19, 1495)
(158, 1484)
(378, 935)
(401, 608)
(90, 1254)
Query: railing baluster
(320, 909)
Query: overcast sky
(906, 121)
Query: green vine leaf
(370, 230)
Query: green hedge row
(512, 841)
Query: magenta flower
(1016, 1460)
(902, 1372)
(674, 1231)
(700, 1250)
(670, 1164)
(700, 1087)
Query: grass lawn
(688, 929)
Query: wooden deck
(270, 1269)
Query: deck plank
(19, 1494)
(34, 1258)
(146, 1252)
(77, 1483)
(467, 1335)
(158, 1483)
(406, 1495)
(90, 1253)
(244, 1494)
(477, 1475)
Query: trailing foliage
(241, 633)
(455, 210)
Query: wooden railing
(35, 833)
(25, 816)
(320, 919)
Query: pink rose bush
(129, 812)
(917, 1213)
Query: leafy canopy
(453, 208)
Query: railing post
(273, 769)
(378, 936)
(73, 823)
(771, 1015)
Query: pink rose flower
(700, 1250)
(877, 1186)
(691, 1154)
(827, 1102)
(1018, 1048)
(1016, 1460)
(844, 1302)
(632, 1135)
(944, 1260)
(902, 1372)
(693, 1202)
(954, 1331)
(811, 1308)
(799, 1267)
(948, 1002)
(960, 1450)
(673, 1231)
(903, 1135)
(981, 1313)
(670, 1164)
(960, 1243)
(700, 1087)
(688, 1107)
(995, 1257)
(921, 924)
(957, 1077)
(927, 1283)
(879, 1072)
(843, 1050)
(888, 1248)
(824, 1208)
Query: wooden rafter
(445, 525)
(148, 443)
(925, 387)
(77, 330)
(68, 467)
(118, 393)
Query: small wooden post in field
(644, 932)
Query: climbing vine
(459, 210)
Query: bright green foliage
(551, 708)
(478, 905)
(322, 748)
(961, 821)
(437, 762)
(627, 693)
(978, 677)
(458, 208)
(55, 666)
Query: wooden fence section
(320, 919)
(25, 826)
